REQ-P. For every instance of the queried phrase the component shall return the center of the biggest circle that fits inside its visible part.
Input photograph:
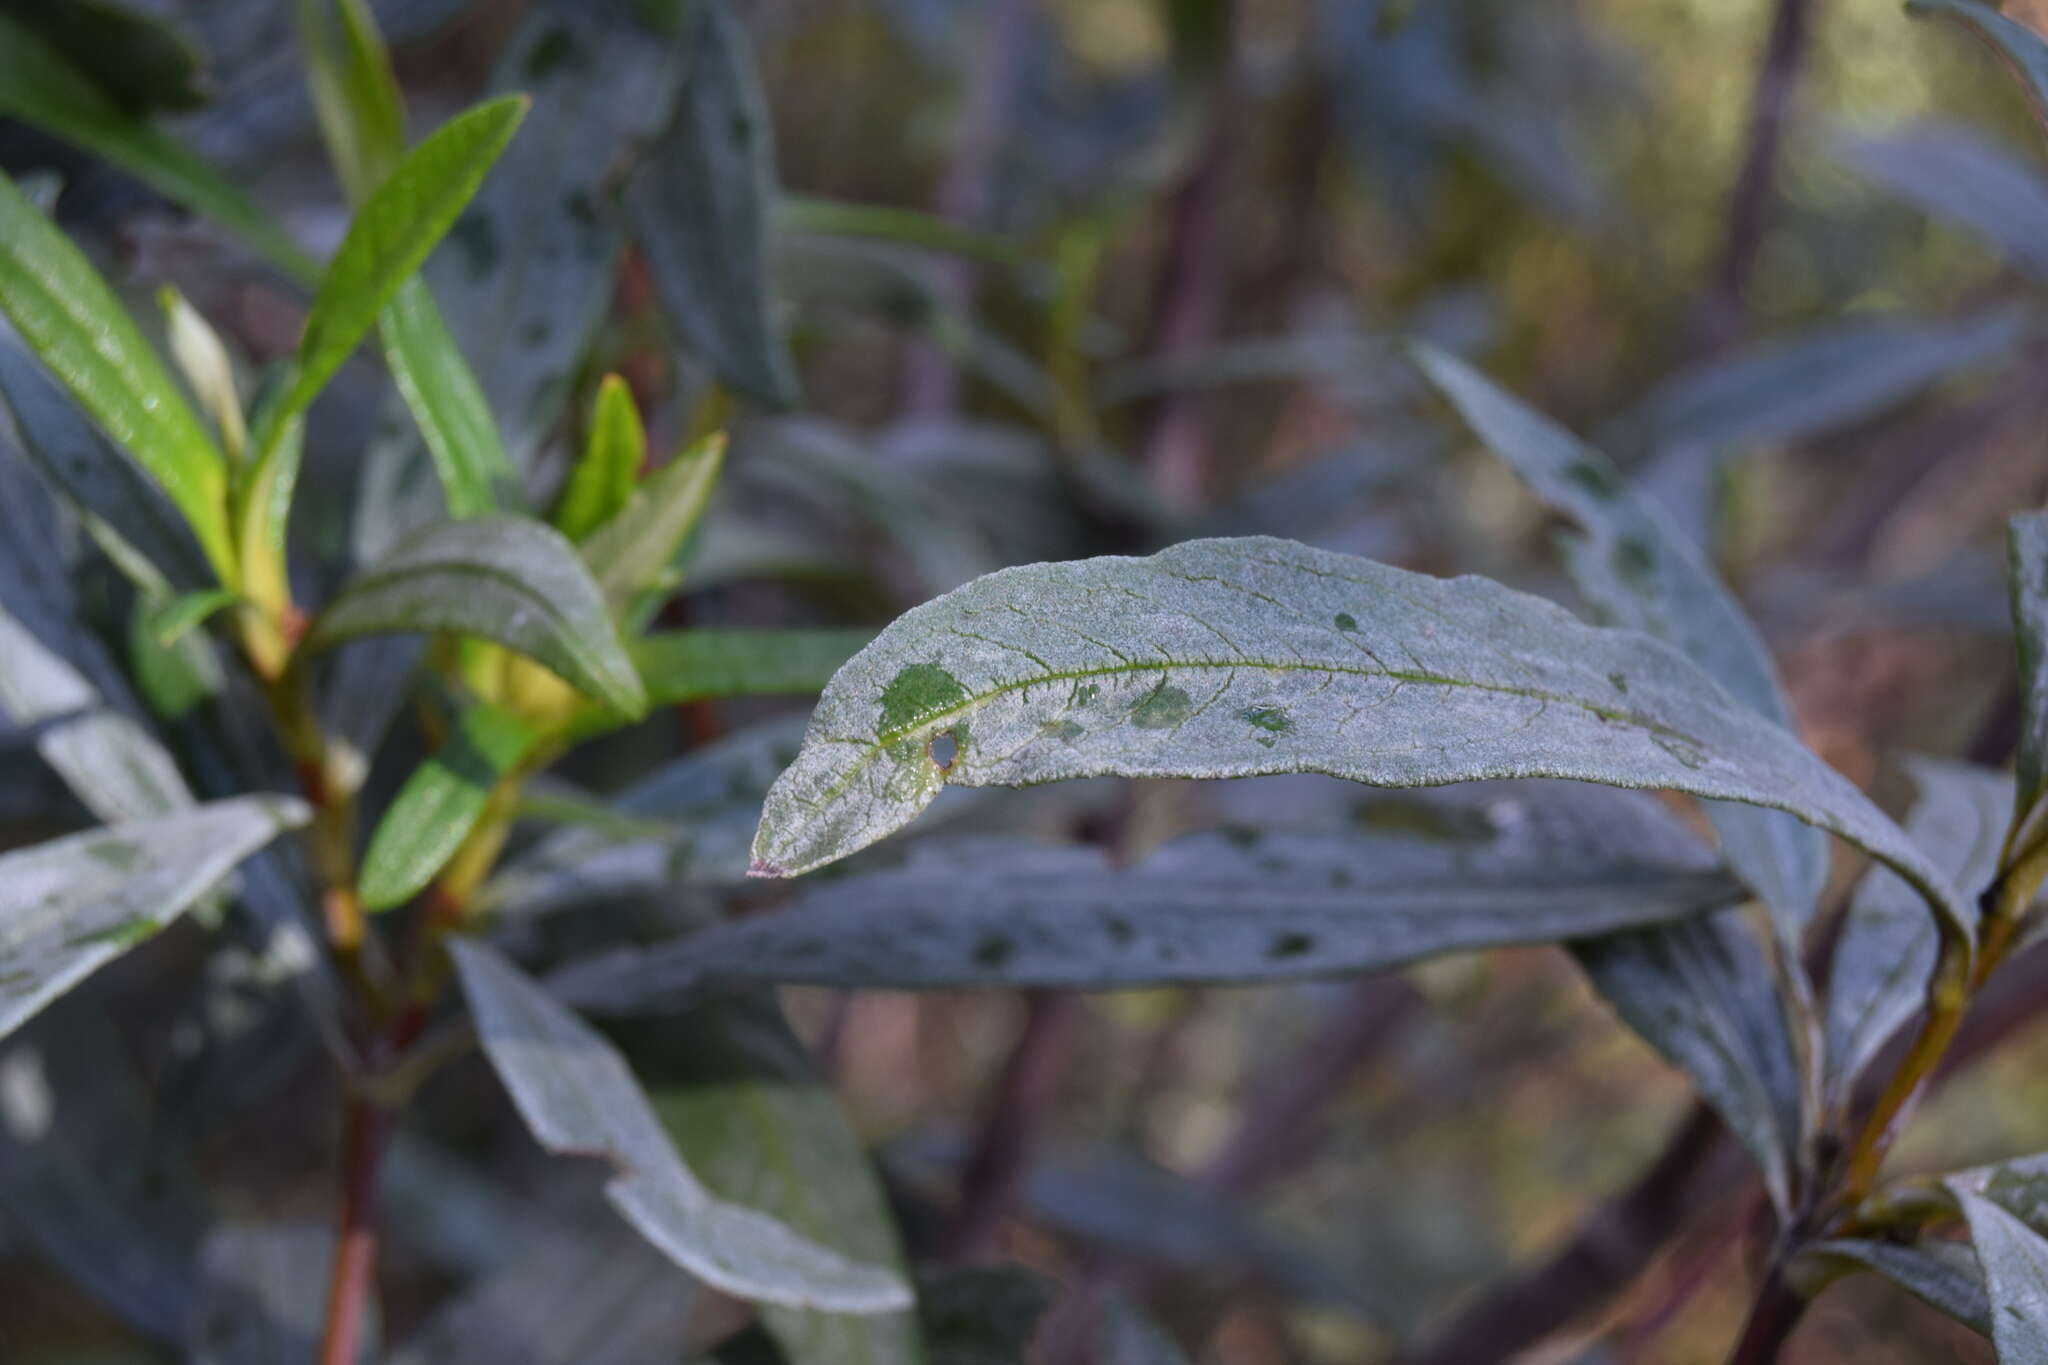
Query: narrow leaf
(702, 207)
(1885, 951)
(2026, 49)
(2027, 569)
(203, 359)
(1229, 658)
(355, 94)
(448, 404)
(1943, 1275)
(69, 317)
(440, 804)
(42, 87)
(1639, 572)
(172, 617)
(139, 60)
(1432, 874)
(578, 1097)
(602, 481)
(390, 237)
(809, 214)
(506, 579)
(634, 551)
(739, 1096)
(70, 906)
(2015, 1261)
(1959, 175)
(686, 665)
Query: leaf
(175, 677)
(448, 404)
(203, 359)
(440, 804)
(69, 906)
(41, 87)
(171, 618)
(578, 1097)
(98, 479)
(506, 579)
(809, 214)
(602, 481)
(116, 768)
(2015, 1261)
(70, 319)
(686, 665)
(355, 94)
(2026, 49)
(2027, 574)
(703, 210)
(631, 553)
(1639, 572)
(1943, 1275)
(1886, 948)
(1228, 658)
(738, 1095)
(1701, 993)
(710, 799)
(390, 237)
(1454, 872)
(1812, 381)
(1959, 175)
(137, 59)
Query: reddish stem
(1024, 1093)
(366, 1127)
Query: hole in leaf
(945, 748)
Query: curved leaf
(69, 318)
(2027, 50)
(440, 804)
(1230, 658)
(578, 1097)
(602, 481)
(355, 94)
(634, 550)
(1476, 868)
(1943, 1275)
(447, 403)
(70, 906)
(687, 665)
(506, 579)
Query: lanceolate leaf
(633, 551)
(1227, 658)
(70, 906)
(355, 93)
(577, 1095)
(105, 757)
(41, 86)
(702, 208)
(70, 318)
(503, 578)
(446, 401)
(2027, 50)
(1638, 572)
(1943, 1275)
(1885, 951)
(1957, 174)
(2027, 565)
(1477, 868)
(686, 665)
(140, 60)
(602, 481)
(2015, 1261)
(1701, 994)
(440, 804)
(738, 1094)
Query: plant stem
(1772, 1317)
(365, 1129)
(1948, 995)
(1024, 1093)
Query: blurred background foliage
(1164, 251)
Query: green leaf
(687, 665)
(738, 1095)
(1702, 994)
(70, 906)
(1231, 658)
(579, 1098)
(171, 618)
(172, 677)
(391, 236)
(70, 319)
(355, 94)
(2026, 48)
(703, 210)
(138, 60)
(1885, 951)
(119, 501)
(506, 579)
(441, 803)
(602, 481)
(203, 359)
(1413, 877)
(448, 404)
(113, 765)
(811, 215)
(2015, 1261)
(1638, 571)
(635, 551)
(2027, 569)
(41, 87)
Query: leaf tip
(761, 867)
